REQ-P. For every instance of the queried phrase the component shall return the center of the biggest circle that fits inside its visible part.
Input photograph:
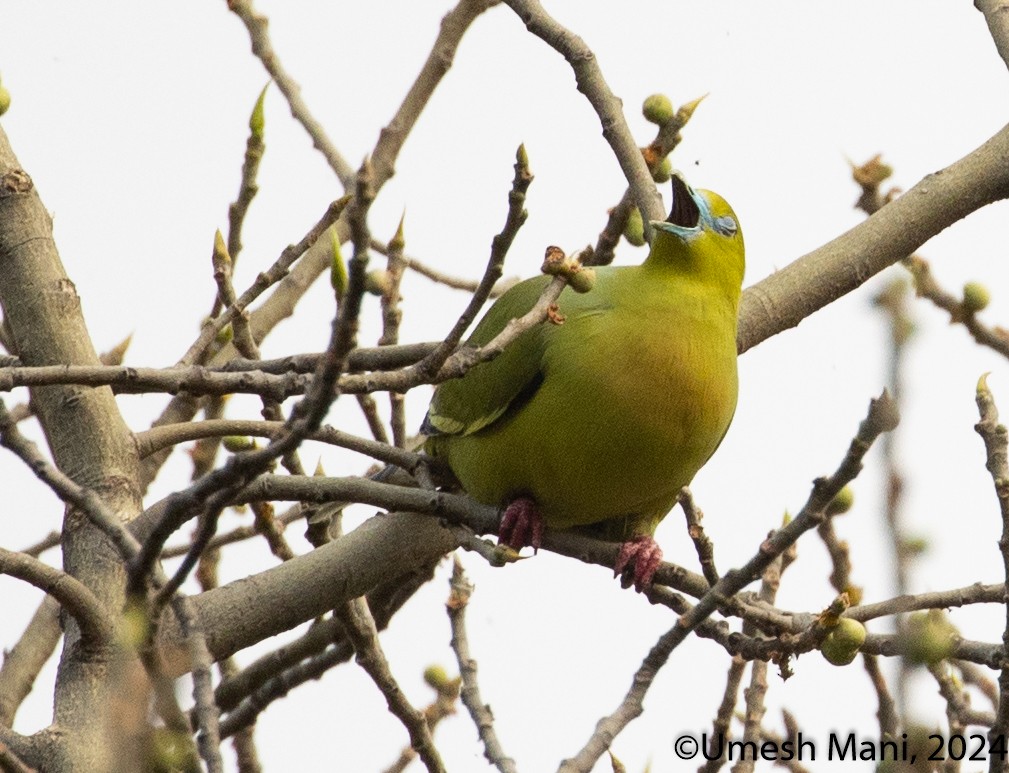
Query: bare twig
(754, 716)
(65, 488)
(702, 544)
(157, 438)
(23, 662)
(958, 705)
(892, 299)
(392, 316)
(590, 82)
(998, 24)
(470, 694)
(926, 286)
(73, 595)
(262, 47)
(886, 711)
(994, 436)
(360, 627)
(264, 280)
(499, 249)
(723, 718)
(840, 575)
(254, 149)
(440, 277)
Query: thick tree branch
(242, 613)
(85, 432)
(996, 14)
(81, 603)
(785, 298)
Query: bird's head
(702, 235)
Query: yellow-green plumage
(602, 419)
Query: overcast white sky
(131, 119)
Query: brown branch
(470, 693)
(95, 624)
(702, 544)
(264, 280)
(262, 47)
(392, 316)
(926, 286)
(247, 190)
(994, 436)
(500, 244)
(886, 710)
(996, 14)
(723, 718)
(84, 431)
(788, 296)
(440, 277)
(23, 662)
(590, 81)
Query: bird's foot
(637, 561)
(521, 524)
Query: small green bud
(136, 625)
(338, 278)
(842, 501)
(657, 108)
(582, 280)
(224, 335)
(855, 593)
(169, 751)
(257, 121)
(843, 642)
(5, 100)
(398, 241)
(634, 231)
(522, 156)
(436, 677)
(915, 545)
(237, 443)
(219, 258)
(663, 171)
(975, 297)
(687, 109)
(117, 353)
(928, 637)
(377, 282)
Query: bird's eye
(725, 225)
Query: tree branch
(788, 296)
(592, 84)
(996, 14)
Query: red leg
(642, 555)
(521, 524)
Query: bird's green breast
(636, 390)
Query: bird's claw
(521, 524)
(637, 562)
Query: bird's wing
(490, 389)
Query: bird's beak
(684, 212)
(685, 215)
